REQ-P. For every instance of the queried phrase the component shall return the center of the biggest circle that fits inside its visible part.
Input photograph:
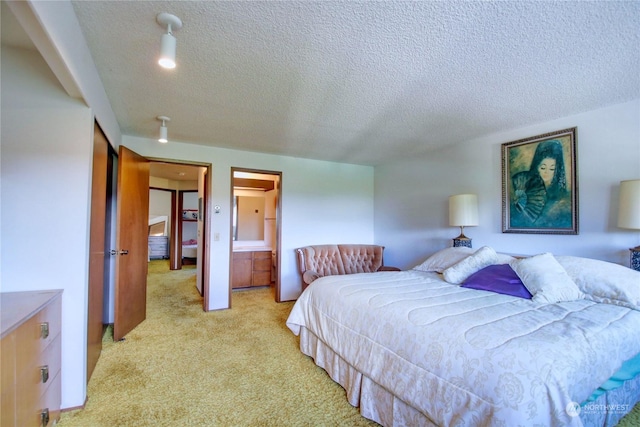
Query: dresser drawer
(262, 264)
(38, 344)
(242, 255)
(262, 255)
(50, 317)
(51, 399)
(26, 348)
(47, 366)
(158, 246)
(8, 370)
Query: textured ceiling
(174, 171)
(360, 82)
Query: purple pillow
(499, 278)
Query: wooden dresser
(251, 268)
(158, 247)
(30, 358)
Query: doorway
(178, 194)
(131, 250)
(256, 198)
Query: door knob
(122, 252)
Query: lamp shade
(167, 51)
(163, 134)
(463, 210)
(629, 212)
(168, 41)
(163, 129)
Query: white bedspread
(468, 357)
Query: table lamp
(629, 214)
(463, 212)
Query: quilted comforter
(469, 357)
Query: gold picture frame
(540, 185)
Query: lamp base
(635, 258)
(462, 242)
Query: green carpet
(238, 367)
(185, 367)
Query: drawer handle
(44, 373)
(44, 417)
(44, 330)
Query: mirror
(248, 215)
(255, 198)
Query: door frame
(278, 248)
(173, 258)
(204, 266)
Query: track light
(163, 129)
(168, 41)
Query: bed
(436, 346)
(190, 251)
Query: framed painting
(539, 184)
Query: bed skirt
(379, 405)
(609, 408)
(375, 402)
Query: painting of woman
(540, 189)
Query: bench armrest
(309, 276)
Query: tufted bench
(329, 260)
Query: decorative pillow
(444, 259)
(545, 279)
(504, 258)
(603, 281)
(461, 270)
(499, 278)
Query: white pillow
(444, 259)
(546, 279)
(504, 258)
(603, 281)
(484, 257)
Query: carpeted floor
(238, 367)
(185, 367)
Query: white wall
(411, 198)
(322, 202)
(46, 156)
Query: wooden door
(97, 248)
(132, 242)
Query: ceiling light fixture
(168, 41)
(163, 129)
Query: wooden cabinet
(261, 268)
(251, 268)
(242, 272)
(30, 357)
